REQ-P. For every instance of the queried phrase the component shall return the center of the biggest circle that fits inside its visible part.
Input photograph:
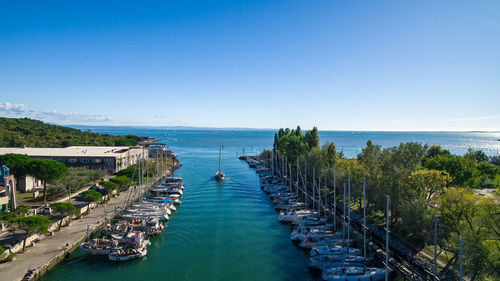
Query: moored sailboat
(219, 176)
(135, 248)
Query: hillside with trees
(16, 132)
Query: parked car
(103, 191)
(44, 210)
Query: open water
(230, 231)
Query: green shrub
(109, 186)
(122, 181)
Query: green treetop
(122, 181)
(312, 138)
(17, 163)
(48, 171)
(90, 196)
(109, 186)
(64, 209)
(31, 224)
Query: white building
(108, 158)
(28, 183)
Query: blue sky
(339, 65)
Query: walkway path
(6, 236)
(54, 247)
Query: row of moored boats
(329, 252)
(128, 237)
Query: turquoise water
(230, 231)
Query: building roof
(71, 151)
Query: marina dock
(401, 259)
(48, 252)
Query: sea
(229, 230)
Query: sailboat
(219, 176)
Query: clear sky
(339, 65)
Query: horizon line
(187, 128)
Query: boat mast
(364, 220)
(387, 240)
(349, 213)
(325, 192)
(139, 179)
(220, 154)
(297, 175)
(319, 192)
(305, 181)
(343, 217)
(334, 201)
(314, 188)
(290, 183)
(272, 163)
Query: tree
(109, 186)
(31, 224)
(17, 163)
(122, 181)
(312, 138)
(477, 221)
(426, 185)
(16, 132)
(292, 146)
(351, 167)
(298, 131)
(276, 141)
(72, 183)
(20, 211)
(476, 155)
(281, 132)
(48, 171)
(495, 160)
(95, 174)
(397, 163)
(330, 154)
(76, 178)
(487, 171)
(463, 171)
(418, 199)
(130, 172)
(435, 150)
(90, 196)
(370, 158)
(315, 162)
(65, 209)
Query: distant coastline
(194, 128)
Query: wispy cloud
(22, 110)
(465, 119)
(74, 116)
(13, 108)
